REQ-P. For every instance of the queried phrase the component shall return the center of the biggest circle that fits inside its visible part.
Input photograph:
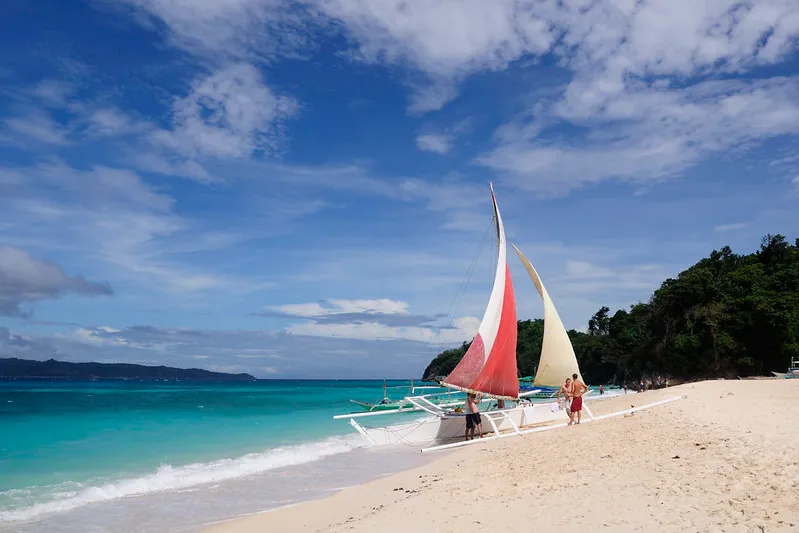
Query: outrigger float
(489, 369)
(387, 404)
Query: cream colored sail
(557, 354)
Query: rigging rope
(472, 265)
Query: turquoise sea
(163, 456)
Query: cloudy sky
(300, 189)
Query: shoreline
(433, 458)
(119, 456)
(727, 440)
(196, 506)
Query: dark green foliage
(444, 362)
(728, 315)
(24, 368)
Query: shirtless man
(473, 415)
(578, 389)
(566, 390)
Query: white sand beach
(723, 459)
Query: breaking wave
(169, 478)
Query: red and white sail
(489, 365)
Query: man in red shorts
(578, 389)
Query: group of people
(572, 391)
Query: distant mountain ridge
(27, 368)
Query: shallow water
(80, 456)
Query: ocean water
(163, 456)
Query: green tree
(727, 315)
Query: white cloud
(171, 165)
(429, 142)
(230, 113)
(731, 227)
(584, 269)
(446, 38)
(382, 306)
(625, 58)
(35, 126)
(90, 336)
(113, 216)
(432, 97)
(240, 29)
(111, 122)
(651, 133)
(462, 329)
(664, 38)
(55, 93)
(644, 125)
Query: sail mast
(557, 360)
(489, 365)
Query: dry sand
(725, 458)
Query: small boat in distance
(387, 404)
(793, 370)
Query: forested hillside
(728, 315)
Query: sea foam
(169, 478)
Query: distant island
(14, 368)
(727, 316)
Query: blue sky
(298, 189)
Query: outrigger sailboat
(489, 369)
(489, 366)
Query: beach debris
(676, 457)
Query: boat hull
(789, 375)
(451, 427)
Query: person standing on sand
(566, 390)
(473, 415)
(578, 389)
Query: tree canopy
(728, 315)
